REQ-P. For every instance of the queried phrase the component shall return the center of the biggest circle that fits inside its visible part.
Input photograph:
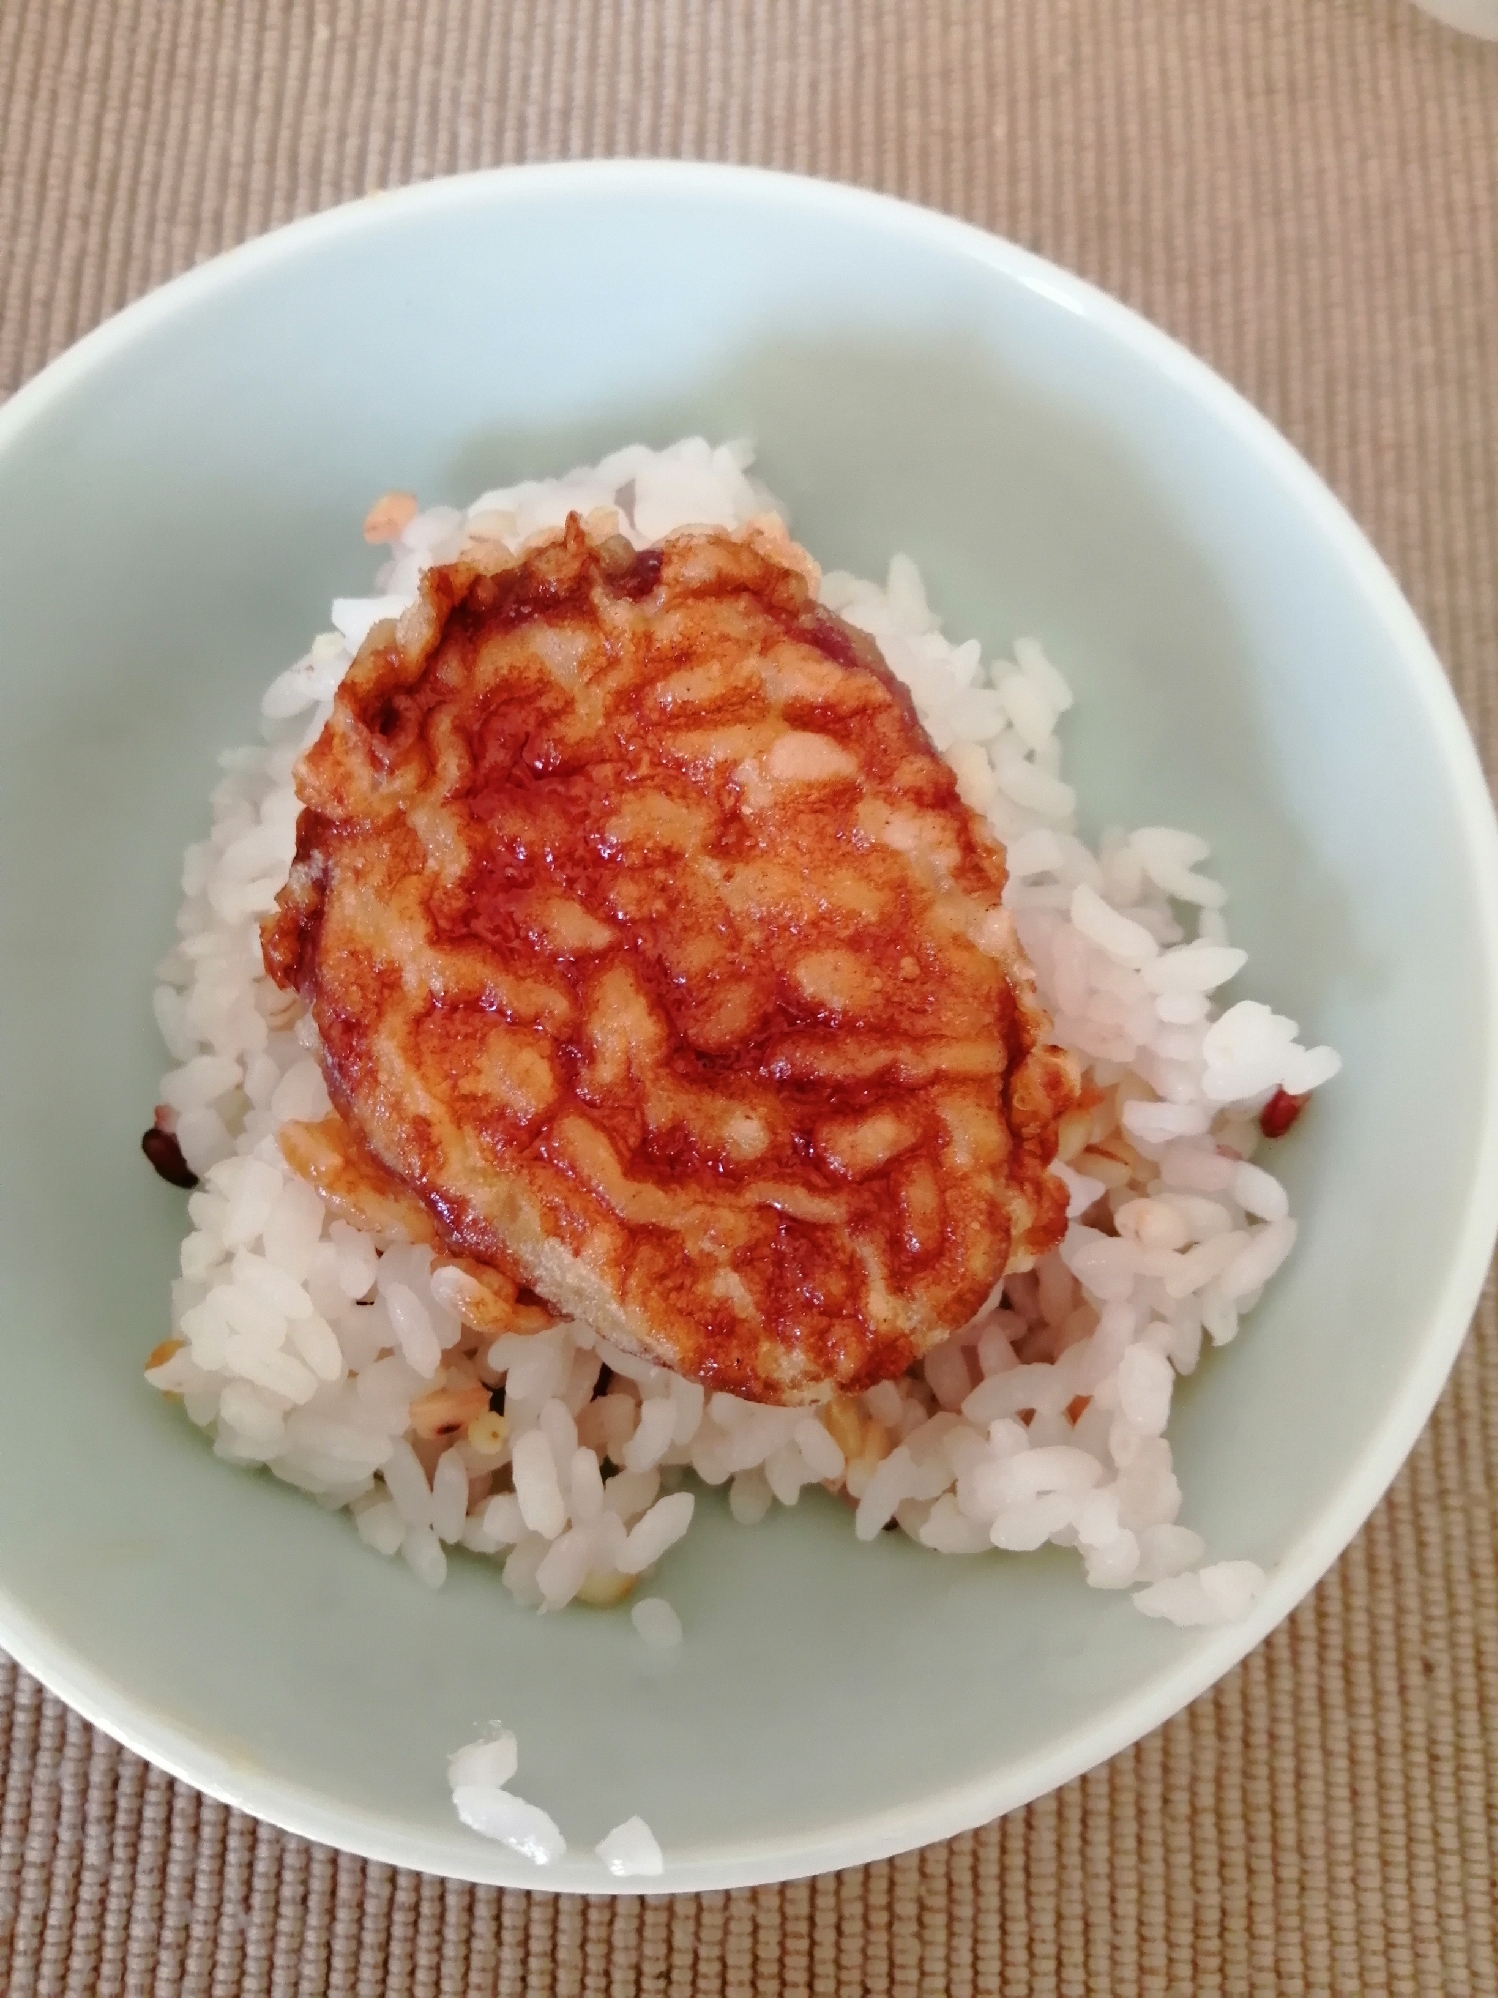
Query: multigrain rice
(335, 1358)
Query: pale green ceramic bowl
(181, 495)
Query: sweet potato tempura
(652, 948)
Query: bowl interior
(178, 501)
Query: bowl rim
(306, 1813)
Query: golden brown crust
(354, 1185)
(357, 1188)
(652, 948)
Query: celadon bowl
(180, 496)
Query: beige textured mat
(1306, 191)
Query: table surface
(1306, 193)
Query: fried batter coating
(653, 951)
(357, 1188)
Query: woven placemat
(1306, 191)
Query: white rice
(478, 1775)
(309, 1347)
(631, 1850)
(492, 1762)
(499, 1814)
(657, 1623)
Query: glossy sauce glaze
(653, 950)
